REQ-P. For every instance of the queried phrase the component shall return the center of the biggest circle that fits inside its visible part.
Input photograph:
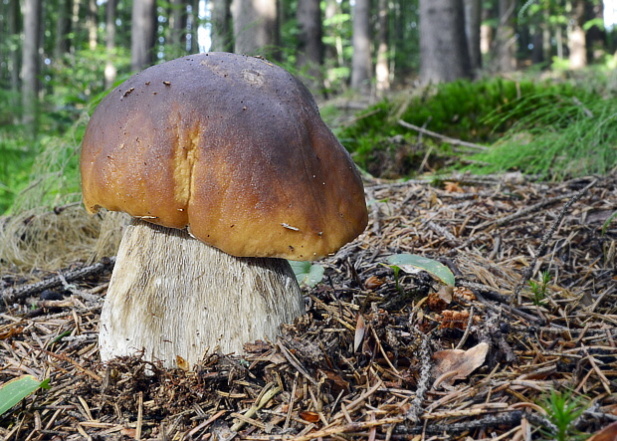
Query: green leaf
(13, 391)
(307, 274)
(409, 263)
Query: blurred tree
(473, 15)
(444, 52)
(310, 46)
(110, 43)
(221, 29)
(92, 24)
(382, 68)
(30, 66)
(143, 31)
(361, 60)
(505, 37)
(63, 29)
(256, 29)
(576, 36)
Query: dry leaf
(359, 335)
(453, 187)
(455, 364)
(609, 433)
(182, 363)
(311, 417)
(373, 282)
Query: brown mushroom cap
(231, 147)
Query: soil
(381, 353)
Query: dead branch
(444, 138)
(19, 293)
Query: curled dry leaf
(311, 417)
(359, 334)
(373, 282)
(456, 364)
(609, 433)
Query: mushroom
(227, 169)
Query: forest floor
(379, 355)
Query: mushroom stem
(172, 296)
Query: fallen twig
(444, 138)
(21, 292)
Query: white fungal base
(172, 296)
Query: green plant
(539, 288)
(307, 274)
(13, 391)
(411, 263)
(562, 410)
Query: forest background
(58, 58)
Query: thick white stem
(172, 296)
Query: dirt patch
(361, 363)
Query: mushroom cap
(230, 147)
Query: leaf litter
(362, 363)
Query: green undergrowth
(574, 136)
(553, 130)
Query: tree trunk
(177, 299)
(143, 34)
(310, 46)
(576, 36)
(177, 27)
(443, 47)
(31, 61)
(63, 26)
(505, 38)
(361, 60)
(221, 34)
(382, 69)
(194, 17)
(255, 26)
(92, 24)
(473, 19)
(110, 42)
(14, 30)
(75, 24)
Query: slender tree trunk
(443, 47)
(194, 17)
(177, 26)
(255, 26)
(110, 42)
(361, 60)
(473, 16)
(63, 26)
(221, 34)
(382, 68)
(143, 33)
(13, 25)
(310, 46)
(576, 36)
(75, 24)
(31, 61)
(92, 23)
(505, 39)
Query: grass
(571, 137)
(563, 409)
(552, 130)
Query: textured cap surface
(231, 147)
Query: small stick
(267, 394)
(10, 295)
(547, 236)
(413, 414)
(447, 139)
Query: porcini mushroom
(227, 169)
